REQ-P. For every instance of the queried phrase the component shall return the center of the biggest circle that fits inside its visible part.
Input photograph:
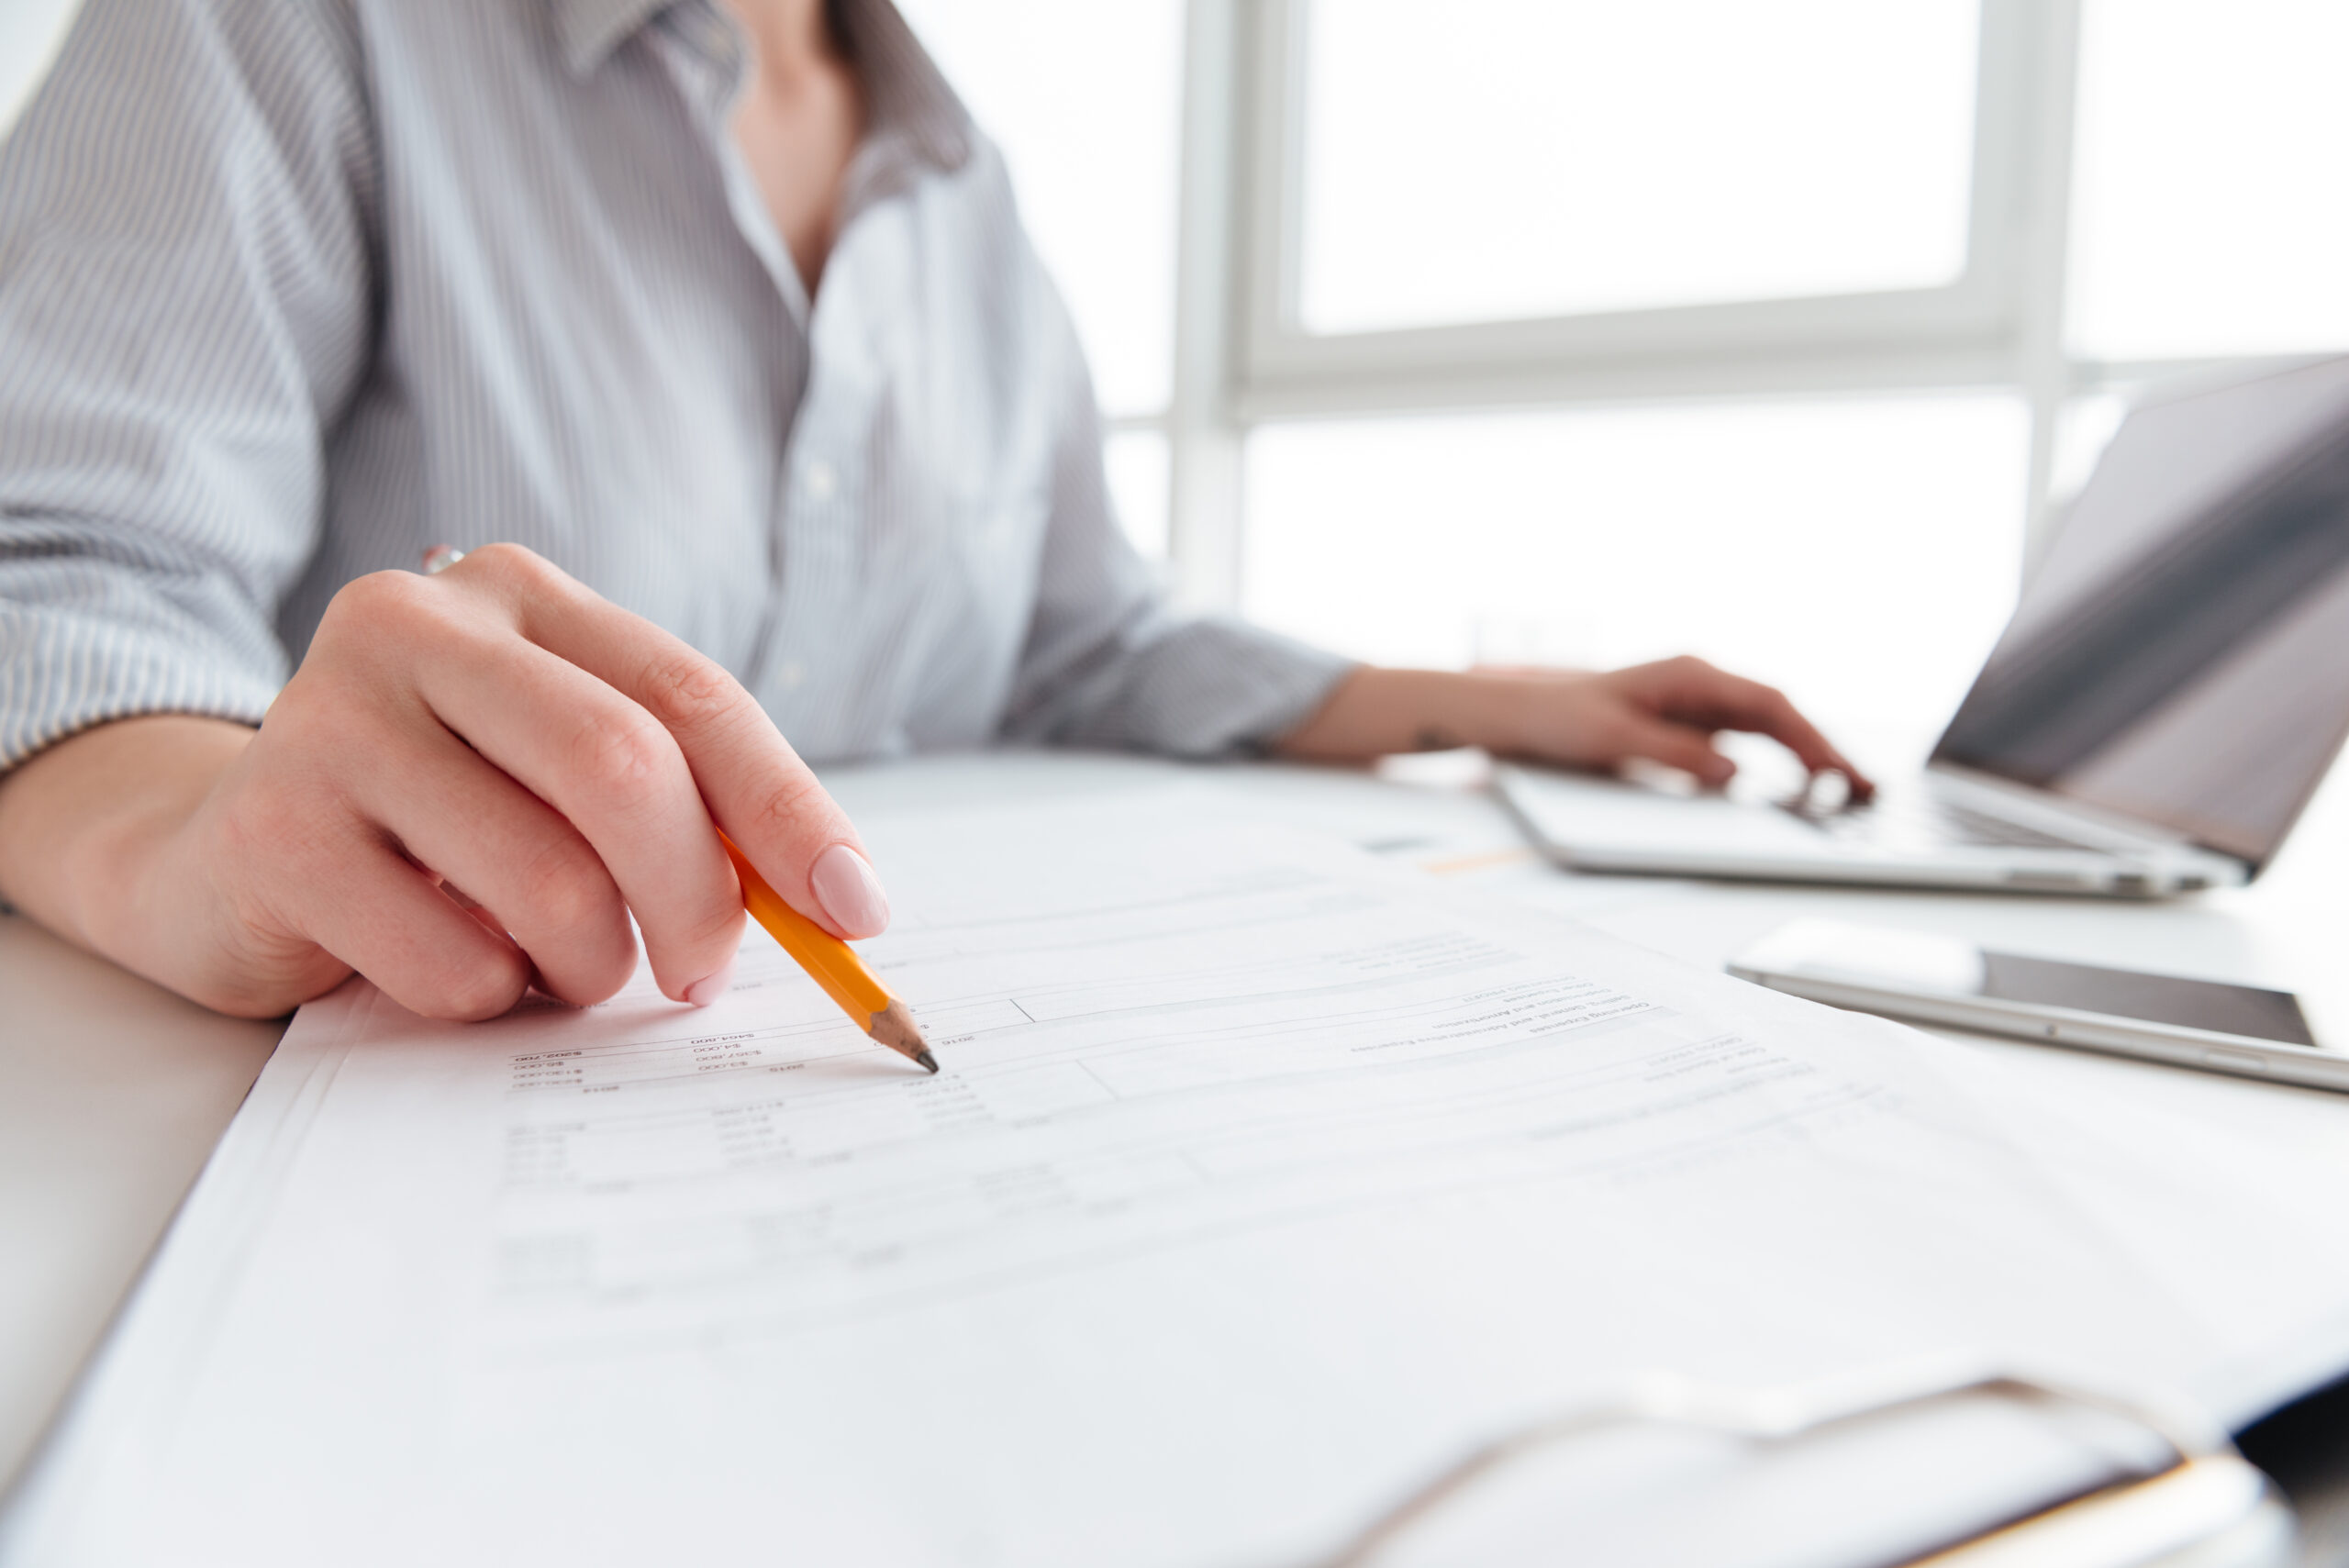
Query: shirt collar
(906, 98)
(909, 101)
(590, 29)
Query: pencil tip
(894, 1026)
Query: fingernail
(710, 987)
(849, 892)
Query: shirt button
(789, 676)
(823, 481)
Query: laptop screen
(2182, 655)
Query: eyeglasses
(2203, 1503)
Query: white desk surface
(112, 1093)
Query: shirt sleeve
(1109, 662)
(186, 303)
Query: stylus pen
(829, 961)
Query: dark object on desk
(2157, 998)
(2304, 1449)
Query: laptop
(2170, 691)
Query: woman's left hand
(1667, 712)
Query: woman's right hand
(496, 728)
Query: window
(1485, 160)
(1587, 332)
(1508, 201)
(1495, 315)
(2214, 143)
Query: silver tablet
(2221, 1028)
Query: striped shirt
(290, 291)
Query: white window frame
(1888, 336)
(1242, 357)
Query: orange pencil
(833, 964)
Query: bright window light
(2213, 149)
(1863, 554)
(1084, 99)
(1486, 160)
(1137, 464)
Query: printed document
(1261, 1180)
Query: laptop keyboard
(1981, 828)
(1925, 817)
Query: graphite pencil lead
(926, 1058)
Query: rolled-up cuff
(63, 673)
(1214, 686)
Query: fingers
(1695, 692)
(513, 856)
(755, 784)
(1676, 746)
(384, 917)
(607, 769)
(562, 760)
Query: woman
(720, 313)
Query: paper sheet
(1261, 1180)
